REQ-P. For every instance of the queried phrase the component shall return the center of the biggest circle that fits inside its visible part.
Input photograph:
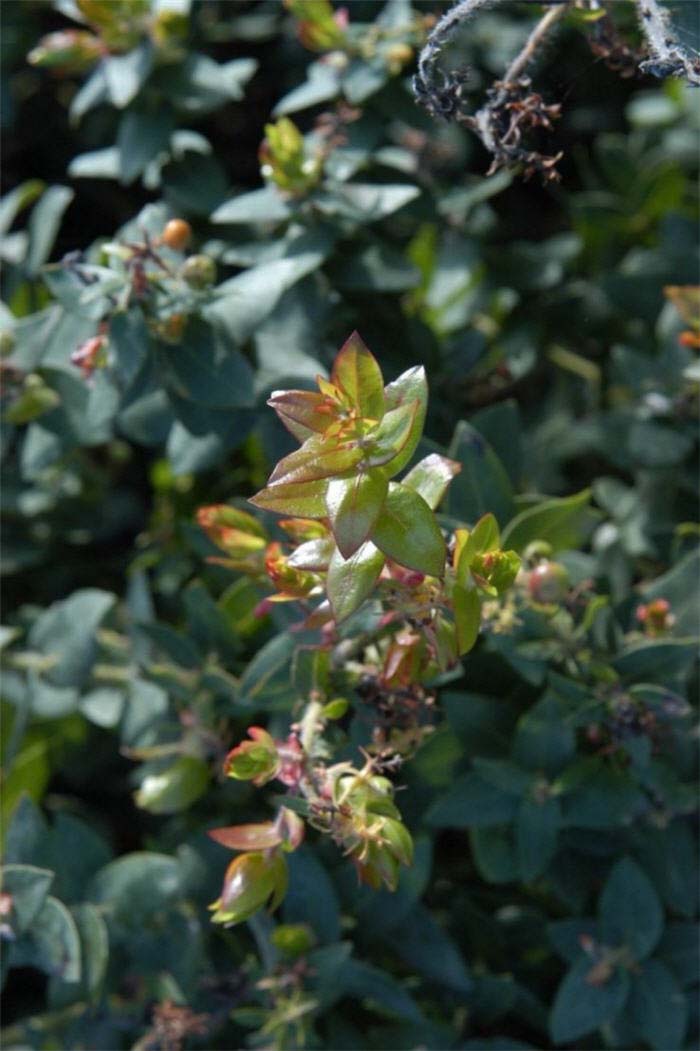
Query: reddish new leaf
(316, 459)
(303, 412)
(357, 373)
(247, 837)
(301, 499)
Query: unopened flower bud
(254, 760)
(656, 616)
(252, 881)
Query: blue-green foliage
(553, 899)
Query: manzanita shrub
(369, 721)
(361, 533)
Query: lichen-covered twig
(667, 57)
(512, 108)
(440, 91)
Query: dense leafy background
(132, 665)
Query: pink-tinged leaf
(301, 499)
(431, 477)
(314, 555)
(391, 437)
(247, 837)
(467, 611)
(408, 534)
(357, 373)
(350, 581)
(316, 459)
(303, 412)
(353, 506)
(409, 386)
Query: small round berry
(548, 582)
(198, 271)
(177, 234)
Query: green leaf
(29, 887)
(267, 675)
(430, 478)
(565, 936)
(408, 533)
(545, 739)
(425, 947)
(365, 202)
(174, 789)
(244, 301)
(357, 373)
(375, 267)
(354, 505)
(472, 802)
(125, 74)
(658, 1007)
(669, 855)
(536, 830)
(56, 941)
(136, 886)
(656, 660)
(581, 1007)
(103, 706)
(311, 896)
(96, 164)
(678, 949)
(501, 427)
(391, 437)
(34, 400)
(142, 136)
(264, 206)
(202, 370)
(599, 796)
(494, 854)
(16, 200)
(299, 499)
(563, 523)
(44, 224)
(630, 910)
(467, 611)
(410, 386)
(66, 631)
(95, 946)
(350, 581)
(321, 85)
(482, 485)
(678, 586)
(378, 990)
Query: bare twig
(668, 58)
